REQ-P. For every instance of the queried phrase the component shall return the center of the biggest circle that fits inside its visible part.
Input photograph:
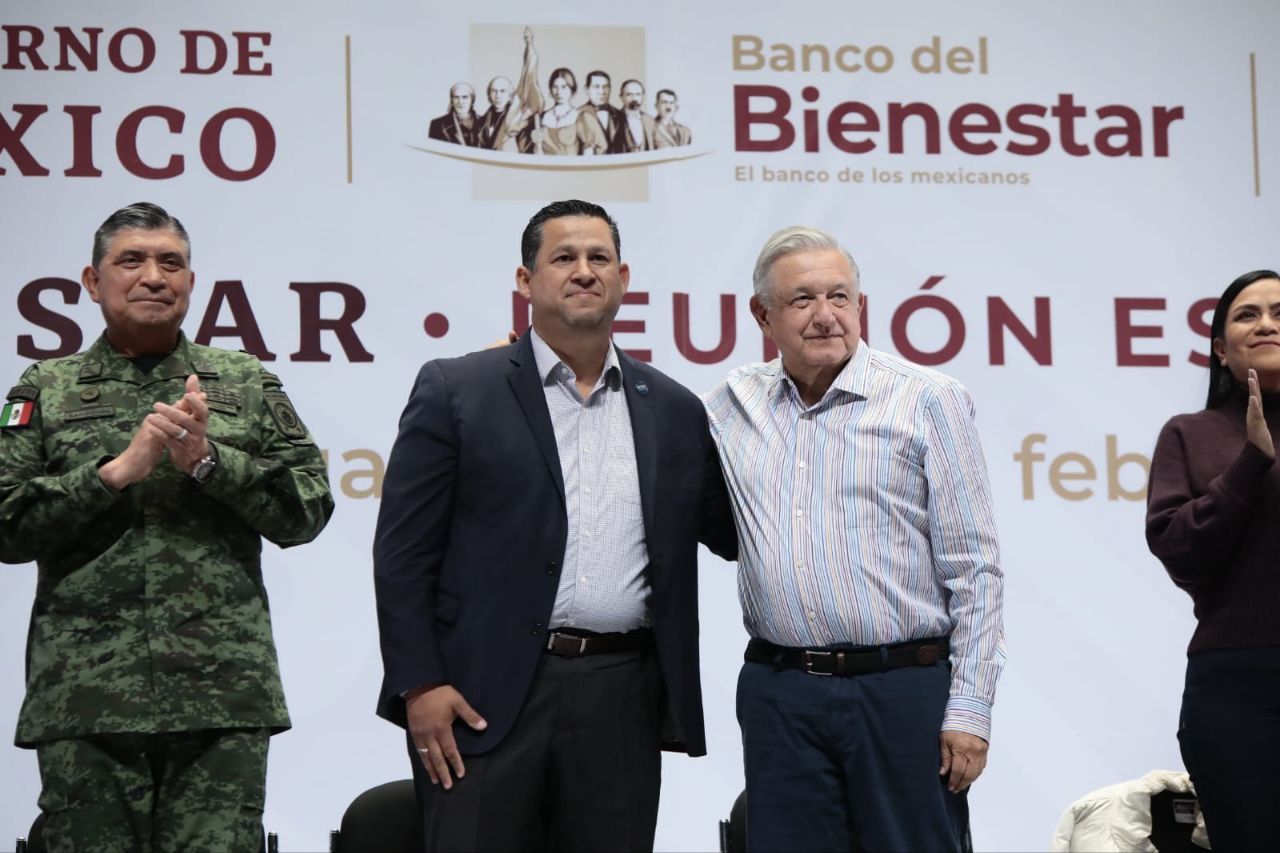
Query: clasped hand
(181, 429)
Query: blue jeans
(847, 762)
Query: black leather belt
(857, 661)
(572, 645)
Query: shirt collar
(547, 361)
(852, 378)
(102, 361)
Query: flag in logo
(16, 414)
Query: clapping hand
(185, 425)
(1256, 420)
(179, 428)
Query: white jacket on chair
(1118, 817)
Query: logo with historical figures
(559, 99)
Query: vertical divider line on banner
(347, 50)
(1253, 107)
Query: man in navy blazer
(536, 567)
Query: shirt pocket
(887, 488)
(620, 482)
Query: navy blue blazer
(472, 529)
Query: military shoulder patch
(283, 413)
(17, 414)
(23, 392)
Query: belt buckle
(553, 636)
(809, 660)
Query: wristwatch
(203, 470)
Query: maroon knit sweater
(1213, 519)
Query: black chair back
(34, 842)
(733, 832)
(384, 819)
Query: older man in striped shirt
(868, 552)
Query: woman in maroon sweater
(1213, 519)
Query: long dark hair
(1221, 382)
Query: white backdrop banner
(1044, 200)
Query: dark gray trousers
(579, 771)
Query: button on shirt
(866, 519)
(603, 587)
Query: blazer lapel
(527, 386)
(644, 431)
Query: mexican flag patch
(16, 414)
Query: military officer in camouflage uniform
(141, 475)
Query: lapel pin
(642, 389)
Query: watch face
(203, 470)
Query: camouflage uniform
(207, 795)
(150, 614)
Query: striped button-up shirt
(602, 581)
(866, 519)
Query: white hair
(788, 241)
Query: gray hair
(788, 241)
(142, 215)
(471, 90)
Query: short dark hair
(662, 92)
(599, 73)
(531, 240)
(1221, 382)
(632, 80)
(143, 215)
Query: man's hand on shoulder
(964, 756)
(511, 338)
(431, 711)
